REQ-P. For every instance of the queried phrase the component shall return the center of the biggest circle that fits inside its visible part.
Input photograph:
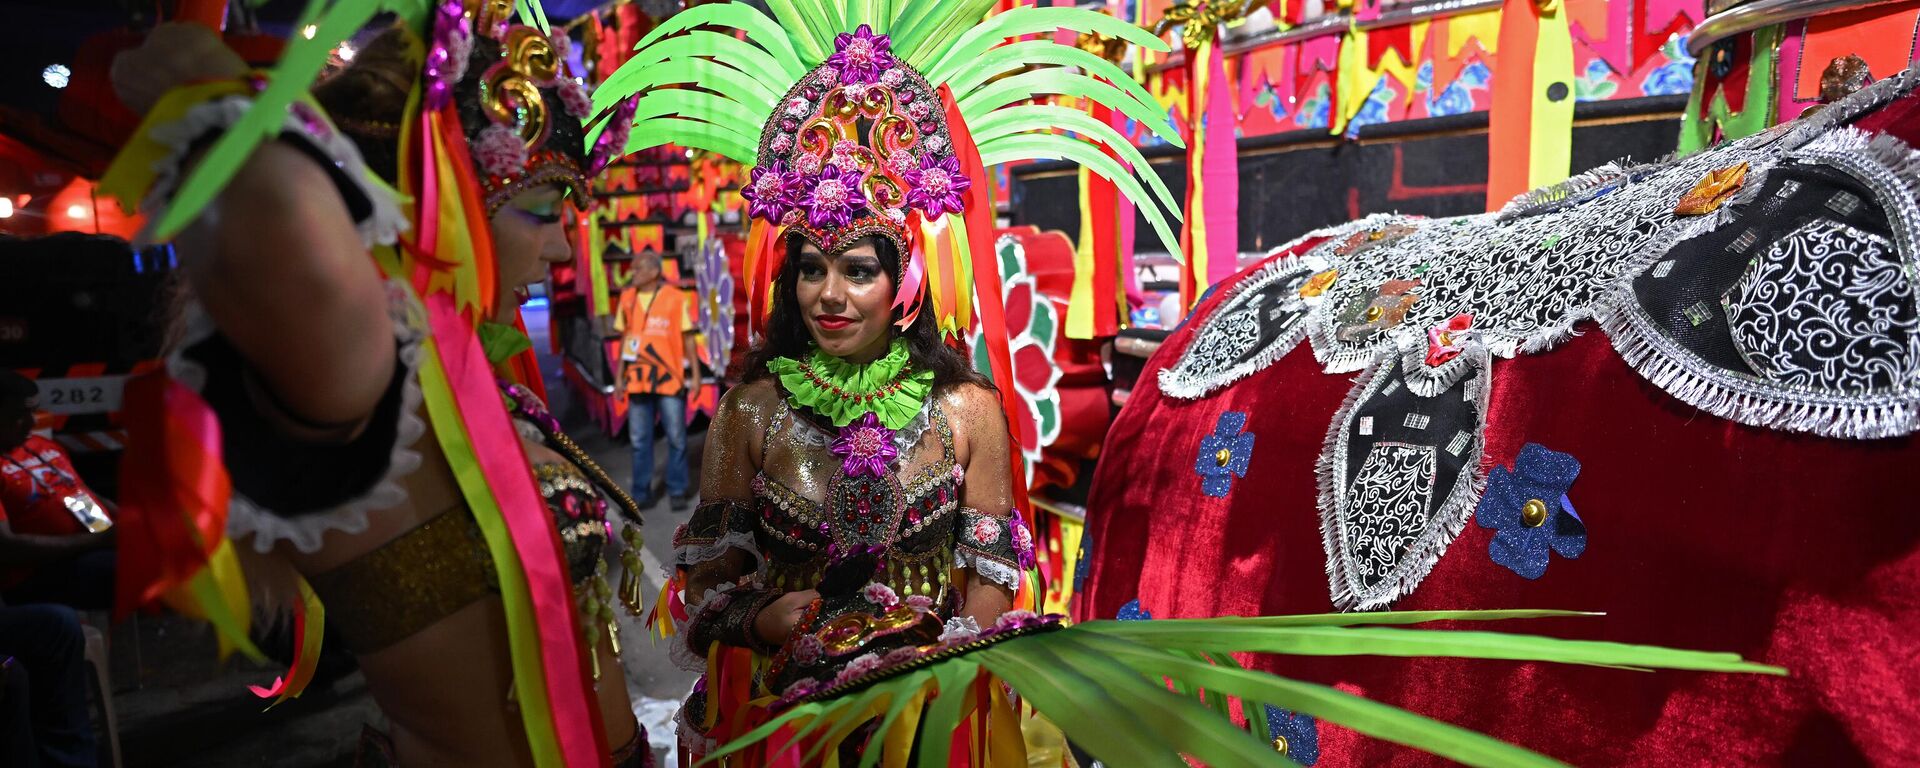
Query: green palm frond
(807, 25)
(1057, 81)
(1127, 691)
(1372, 718)
(943, 713)
(948, 30)
(533, 14)
(1078, 705)
(1015, 56)
(760, 30)
(1033, 20)
(1045, 146)
(1042, 117)
(291, 77)
(923, 24)
(658, 131)
(699, 45)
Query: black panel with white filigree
(1400, 473)
(1800, 310)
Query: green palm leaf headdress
(876, 118)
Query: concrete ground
(178, 706)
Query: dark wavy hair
(787, 336)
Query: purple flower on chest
(865, 447)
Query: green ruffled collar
(842, 392)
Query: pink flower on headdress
(938, 186)
(769, 191)
(807, 650)
(900, 162)
(574, 96)
(845, 156)
(860, 666)
(832, 199)
(881, 595)
(782, 143)
(500, 151)
(861, 56)
(798, 107)
(934, 143)
(864, 446)
(919, 111)
(892, 78)
(807, 164)
(920, 603)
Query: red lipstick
(832, 322)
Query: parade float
(1675, 390)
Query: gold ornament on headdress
(1200, 21)
(489, 15)
(510, 90)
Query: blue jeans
(43, 662)
(672, 411)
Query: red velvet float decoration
(1785, 548)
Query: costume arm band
(998, 547)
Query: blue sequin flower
(1300, 733)
(1529, 511)
(1224, 454)
(1133, 612)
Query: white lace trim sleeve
(380, 227)
(245, 519)
(988, 568)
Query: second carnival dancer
(454, 538)
(853, 579)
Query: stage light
(6, 207)
(346, 52)
(309, 31)
(76, 211)
(56, 75)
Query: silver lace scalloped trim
(1891, 169)
(1452, 514)
(307, 532)
(1194, 376)
(1527, 282)
(988, 568)
(382, 227)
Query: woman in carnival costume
(854, 577)
(355, 421)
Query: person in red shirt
(56, 534)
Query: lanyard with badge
(81, 504)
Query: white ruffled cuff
(988, 568)
(381, 226)
(306, 532)
(688, 555)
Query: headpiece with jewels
(878, 120)
(521, 108)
